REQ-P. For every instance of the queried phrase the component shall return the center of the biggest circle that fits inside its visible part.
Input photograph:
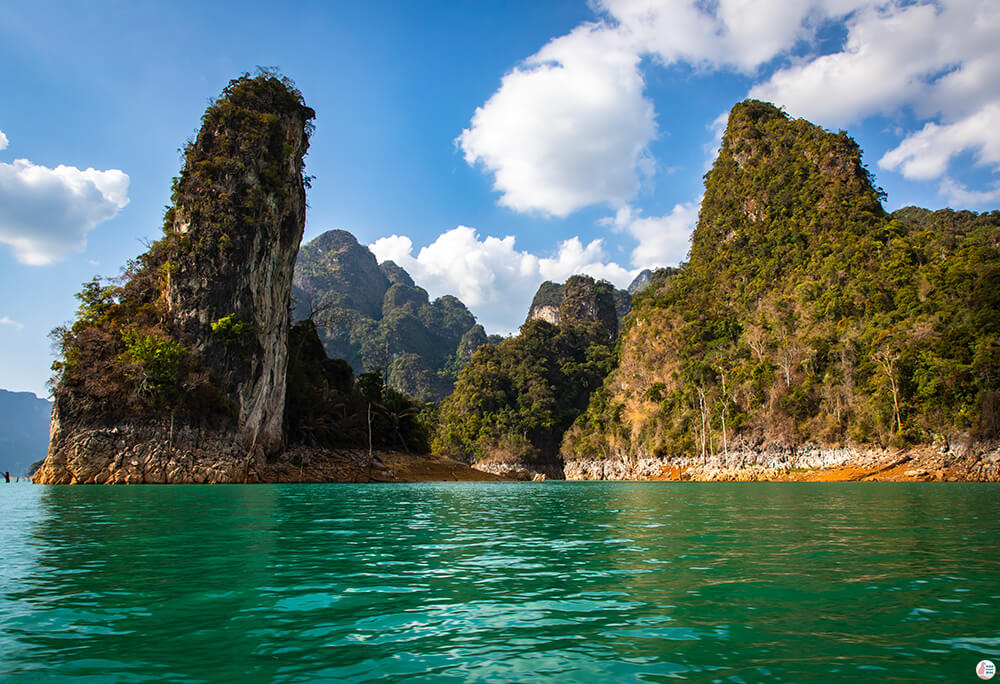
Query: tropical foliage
(514, 400)
(326, 406)
(806, 312)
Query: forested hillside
(514, 400)
(806, 313)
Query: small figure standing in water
(6, 476)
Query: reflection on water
(500, 582)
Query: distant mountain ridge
(24, 430)
(375, 317)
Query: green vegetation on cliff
(513, 401)
(581, 297)
(806, 313)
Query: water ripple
(635, 582)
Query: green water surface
(497, 582)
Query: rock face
(179, 374)
(640, 281)
(375, 317)
(254, 209)
(741, 458)
(334, 270)
(648, 276)
(581, 297)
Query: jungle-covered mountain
(514, 400)
(191, 341)
(806, 312)
(375, 317)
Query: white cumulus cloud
(925, 154)
(662, 240)
(940, 60)
(11, 323)
(736, 34)
(884, 63)
(497, 281)
(490, 275)
(960, 196)
(568, 128)
(3, 141)
(45, 214)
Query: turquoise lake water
(500, 582)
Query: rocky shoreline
(964, 461)
(134, 454)
(149, 453)
(111, 456)
(146, 454)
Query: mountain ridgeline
(375, 317)
(805, 315)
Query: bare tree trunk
(701, 407)
(370, 457)
(725, 406)
(887, 360)
(170, 439)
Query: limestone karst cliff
(581, 297)
(176, 372)
(807, 320)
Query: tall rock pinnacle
(178, 373)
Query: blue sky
(484, 146)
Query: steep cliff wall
(177, 374)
